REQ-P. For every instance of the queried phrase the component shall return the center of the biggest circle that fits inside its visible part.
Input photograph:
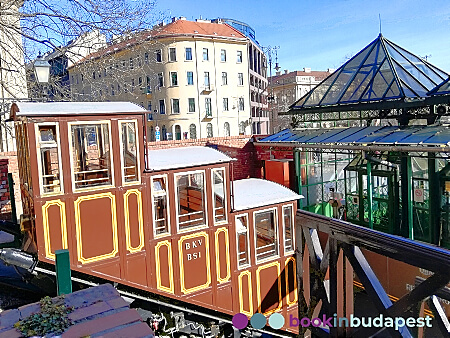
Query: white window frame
(224, 195)
(158, 52)
(187, 82)
(224, 83)
(240, 77)
(239, 56)
(175, 54)
(171, 79)
(203, 54)
(286, 252)
(58, 145)
(255, 235)
(166, 178)
(223, 53)
(172, 106)
(201, 226)
(185, 54)
(72, 173)
(244, 266)
(122, 162)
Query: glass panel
(191, 200)
(288, 229)
(49, 153)
(219, 199)
(129, 152)
(91, 155)
(242, 241)
(320, 90)
(410, 81)
(160, 207)
(266, 235)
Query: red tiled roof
(179, 27)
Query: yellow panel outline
(115, 250)
(159, 286)
(45, 226)
(250, 293)
(294, 302)
(138, 194)
(208, 268)
(258, 286)
(227, 250)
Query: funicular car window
(49, 158)
(219, 200)
(288, 229)
(160, 205)
(130, 172)
(266, 234)
(191, 203)
(91, 155)
(242, 241)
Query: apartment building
(193, 76)
(288, 87)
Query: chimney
(182, 18)
(331, 70)
(278, 73)
(286, 71)
(307, 70)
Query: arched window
(209, 130)
(164, 132)
(226, 129)
(177, 132)
(242, 128)
(192, 131)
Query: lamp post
(41, 71)
(270, 98)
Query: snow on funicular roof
(184, 157)
(254, 193)
(74, 108)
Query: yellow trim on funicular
(258, 286)
(45, 226)
(159, 286)
(289, 302)
(250, 293)
(138, 194)
(113, 253)
(207, 260)
(227, 257)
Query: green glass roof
(441, 89)
(381, 71)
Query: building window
(205, 54)
(192, 131)
(209, 130)
(158, 55)
(129, 147)
(208, 110)
(266, 239)
(177, 130)
(49, 158)
(241, 104)
(188, 54)
(288, 228)
(191, 102)
(175, 106)
(146, 57)
(174, 78)
(206, 79)
(224, 78)
(149, 86)
(162, 107)
(164, 132)
(241, 128)
(160, 205)
(219, 195)
(138, 61)
(160, 80)
(132, 85)
(172, 54)
(190, 78)
(91, 155)
(226, 129)
(240, 79)
(225, 104)
(242, 239)
(112, 90)
(239, 56)
(191, 202)
(131, 63)
(223, 55)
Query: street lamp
(41, 69)
(270, 98)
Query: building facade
(286, 88)
(194, 76)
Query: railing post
(63, 274)
(12, 198)
(369, 193)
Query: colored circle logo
(276, 321)
(258, 321)
(240, 321)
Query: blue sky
(322, 34)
